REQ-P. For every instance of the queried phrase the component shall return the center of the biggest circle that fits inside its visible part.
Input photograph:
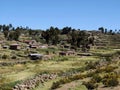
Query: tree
(17, 34)
(73, 37)
(101, 29)
(0, 27)
(105, 31)
(110, 79)
(111, 31)
(10, 26)
(66, 30)
(51, 35)
(6, 31)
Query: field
(63, 66)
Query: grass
(80, 87)
(46, 85)
(19, 72)
(15, 73)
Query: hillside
(59, 59)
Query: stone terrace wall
(34, 82)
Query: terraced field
(16, 72)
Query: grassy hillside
(79, 71)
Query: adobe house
(34, 46)
(84, 54)
(29, 42)
(67, 46)
(35, 56)
(14, 47)
(62, 53)
(43, 46)
(5, 47)
(66, 53)
(70, 52)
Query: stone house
(14, 47)
(35, 56)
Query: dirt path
(72, 86)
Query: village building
(62, 53)
(84, 54)
(5, 46)
(35, 56)
(43, 46)
(67, 46)
(29, 42)
(66, 53)
(34, 46)
(14, 47)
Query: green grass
(21, 72)
(12, 74)
(80, 87)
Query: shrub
(55, 85)
(63, 59)
(4, 56)
(61, 81)
(109, 68)
(99, 70)
(90, 85)
(108, 59)
(13, 57)
(91, 65)
(90, 74)
(110, 80)
(66, 80)
(97, 78)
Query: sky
(78, 14)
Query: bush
(63, 59)
(108, 59)
(90, 85)
(13, 57)
(97, 78)
(109, 68)
(91, 65)
(55, 85)
(110, 80)
(66, 80)
(99, 70)
(4, 56)
(90, 74)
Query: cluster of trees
(51, 36)
(106, 31)
(10, 32)
(75, 37)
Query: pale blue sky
(82, 14)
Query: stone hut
(66, 53)
(14, 47)
(35, 56)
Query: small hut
(35, 56)
(5, 47)
(66, 53)
(14, 47)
